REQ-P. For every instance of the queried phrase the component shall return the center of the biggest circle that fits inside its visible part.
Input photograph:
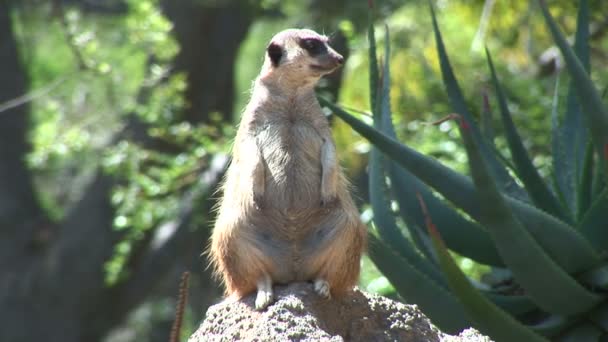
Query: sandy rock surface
(299, 314)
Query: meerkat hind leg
(264, 296)
(321, 287)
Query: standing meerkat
(286, 214)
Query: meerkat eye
(313, 46)
(275, 52)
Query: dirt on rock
(298, 314)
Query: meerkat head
(299, 57)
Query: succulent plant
(547, 239)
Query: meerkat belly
(293, 166)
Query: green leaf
(488, 317)
(569, 150)
(565, 245)
(537, 189)
(581, 332)
(463, 236)
(594, 224)
(515, 305)
(487, 128)
(379, 192)
(553, 325)
(599, 316)
(596, 278)
(373, 61)
(383, 122)
(459, 106)
(383, 114)
(466, 236)
(385, 221)
(552, 289)
(415, 287)
(585, 188)
(401, 187)
(588, 95)
(599, 183)
(562, 173)
(561, 178)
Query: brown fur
(286, 210)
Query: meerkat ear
(275, 52)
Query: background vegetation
(116, 117)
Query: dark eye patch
(314, 46)
(275, 52)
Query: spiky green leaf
(383, 122)
(386, 225)
(571, 135)
(545, 282)
(415, 287)
(596, 278)
(585, 188)
(565, 245)
(589, 97)
(486, 125)
(553, 325)
(594, 224)
(459, 105)
(379, 192)
(513, 304)
(463, 236)
(488, 317)
(581, 332)
(537, 188)
(599, 316)
(373, 61)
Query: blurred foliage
(105, 71)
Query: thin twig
(181, 305)
(33, 95)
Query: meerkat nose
(340, 60)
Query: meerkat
(286, 214)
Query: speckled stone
(298, 314)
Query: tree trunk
(19, 209)
(209, 38)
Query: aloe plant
(548, 237)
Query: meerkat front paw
(264, 296)
(321, 287)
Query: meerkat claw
(264, 296)
(263, 299)
(321, 287)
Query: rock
(298, 314)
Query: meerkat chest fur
(288, 129)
